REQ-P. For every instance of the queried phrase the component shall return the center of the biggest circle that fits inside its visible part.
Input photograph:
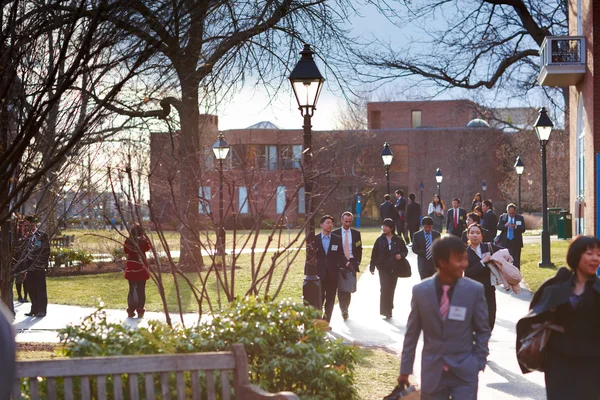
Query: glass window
(243, 200)
(416, 119)
(204, 203)
(271, 159)
(280, 199)
(296, 155)
(301, 201)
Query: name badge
(457, 313)
(461, 217)
(358, 243)
(518, 223)
(334, 247)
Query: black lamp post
(519, 167)
(484, 188)
(438, 179)
(307, 83)
(221, 149)
(543, 128)
(421, 188)
(387, 156)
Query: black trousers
(36, 285)
(344, 300)
(412, 229)
(490, 298)
(387, 281)
(328, 291)
(136, 298)
(514, 248)
(426, 268)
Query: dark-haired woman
(436, 212)
(571, 299)
(388, 249)
(479, 255)
(136, 270)
(477, 201)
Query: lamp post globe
(543, 127)
(307, 83)
(519, 167)
(438, 179)
(484, 188)
(387, 156)
(221, 150)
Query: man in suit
(386, 209)
(330, 258)
(352, 250)
(401, 215)
(457, 218)
(489, 221)
(452, 313)
(422, 244)
(413, 216)
(512, 226)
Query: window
(580, 222)
(271, 158)
(301, 201)
(243, 200)
(375, 120)
(204, 203)
(296, 155)
(280, 199)
(416, 119)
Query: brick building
(263, 172)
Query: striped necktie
(428, 246)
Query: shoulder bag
(532, 352)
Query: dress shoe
(20, 300)
(30, 314)
(40, 315)
(141, 312)
(345, 315)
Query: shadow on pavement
(516, 385)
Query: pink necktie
(445, 303)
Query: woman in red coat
(136, 270)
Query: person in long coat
(571, 300)
(136, 270)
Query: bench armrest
(253, 392)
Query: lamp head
(307, 81)
(386, 155)
(220, 148)
(519, 166)
(438, 176)
(543, 126)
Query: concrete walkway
(502, 378)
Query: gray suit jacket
(461, 345)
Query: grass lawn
(530, 257)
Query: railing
(562, 60)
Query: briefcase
(402, 392)
(346, 281)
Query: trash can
(565, 225)
(553, 213)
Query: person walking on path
(386, 209)
(33, 259)
(330, 259)
(489, 222)
(512, 226)
(436, 212)
(570, 300)
(479, 254)
(19, 268)
(472, 218)
(477, 201)
(422, 244)
(413, 216)
(451, 312)
(401, 218)
(137, 270)
(388, 249)
(352, 246)
(457, 218)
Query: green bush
(287, 346)
(67, 256)
(117, 254)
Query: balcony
(562, 61)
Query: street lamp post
(387, 156)
(484, 188)
(421, 188)
(438, 179)
(221, 149)
(307, 82)
(543, 128)
(519, 167)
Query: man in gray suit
(452, 313)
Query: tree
(469, 44)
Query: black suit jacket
(329, 264)
(400, 206)
(462, 221)
(418, 246)
(356, 246)
(476, 270)
(413, 214)
(387, 210)
(489, 222)
(518, 231)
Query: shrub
(67, 256)
(287, 346)
(117, 254)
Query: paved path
(502, 378)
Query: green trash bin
(553, 213)
(565, 225)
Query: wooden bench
(75, 376)
(62, 241)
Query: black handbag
(403, 392)
(401, 268)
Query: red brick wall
(438, 114)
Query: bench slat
(180, 386)
(225, 391)
(68, 386)
(149, 379)
(51, 382)
(117, 387)
(196, 392)
(33, 387)
(210, 385)
(101, 387)
(133, 386)
(16, 392)
(87, 366)
(85, 387)
(164, 385)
